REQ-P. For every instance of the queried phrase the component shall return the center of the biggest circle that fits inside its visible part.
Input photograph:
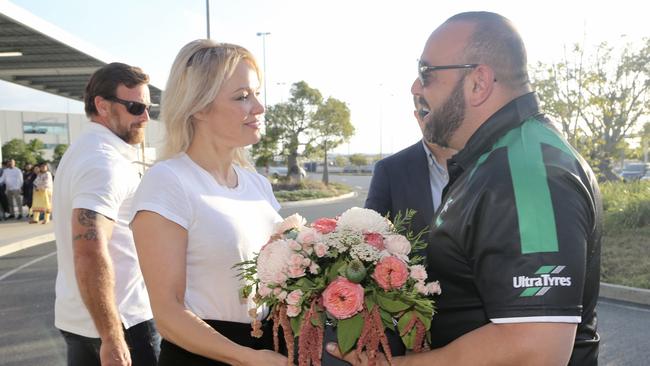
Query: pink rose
(308, 236)
(296, 271)
(343, 298)
(397, 245)
(320, 249)
(293, 311)
(390, 273)
(324, 225)
(374, 239)
(313, 268)
(294, 297)
(282, 295)
(418, 272)
(294, 245)
(296, 260)
(264, 290)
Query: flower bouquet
(353, 273)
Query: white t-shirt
(98, 173)
(224, 226)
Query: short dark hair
(105, 80)
(496, 42)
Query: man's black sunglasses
(135, 108)
(423, 70)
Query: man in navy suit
(412, 178)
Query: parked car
(634, 171)
(281, 171)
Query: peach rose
(374, 239)
(343, 298)
(324, 225)
(390, 273)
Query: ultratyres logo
(546, 278)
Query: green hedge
(626, 205)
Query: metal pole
(263, 35)
(207, 16)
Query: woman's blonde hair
(199, 70)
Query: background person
(412, 178)
(42, 195)
(12, 178)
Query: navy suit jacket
(400, 182)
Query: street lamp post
(263, 35)
(207, 16)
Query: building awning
(50, 59)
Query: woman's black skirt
(240, 333)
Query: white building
(62, 128)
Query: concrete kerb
(26, 243)
(316, 201)
(624, 293)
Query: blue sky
(362, 52)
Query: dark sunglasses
(424, 70)
(135, 108)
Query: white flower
(434, 288)
(431, 288)
(272, 262)
(397, 244)
(365, 252)
(294, 221)
(418, 272)
(363, 220)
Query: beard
(440, 124)
(129, 133)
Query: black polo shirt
(517, 238)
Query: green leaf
(403, 321)
(390, 303)
(387, 320)
(296, 322)
(409, 338)
(425, 319)
(305, 284)
(370, 301)
(348, 332)
(334, 270)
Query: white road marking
(26, 265)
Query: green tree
(332, 128)
(59, 150)
(23, 153)
(358, 159)
(598, 98)
(341, 161)
(306, 122)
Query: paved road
(27, 335)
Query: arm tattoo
(87, 218)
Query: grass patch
(307, 189)
(625, 257)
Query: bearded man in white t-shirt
(102, 308)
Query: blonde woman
(203, 208)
